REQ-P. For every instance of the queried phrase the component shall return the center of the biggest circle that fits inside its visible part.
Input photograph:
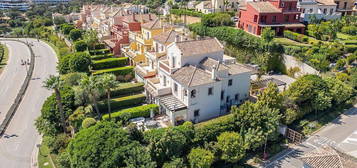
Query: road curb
(22, 91)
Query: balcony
(154, 87)
(154, 55)
(145, 71)
(164, 66)
(140, 39)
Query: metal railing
(22, 91)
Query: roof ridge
(167, 38)
(193, 73)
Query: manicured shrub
(88, 122)
(123, 102)
(100, 51)
(296, 36)
(116, 71)
(139, 111)
(104, 56)
(351, 30)
(80, 46)
(110, 63)
(126, 89)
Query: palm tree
(91, 88)
(108, 82)
(55, 83)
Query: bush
(88, 122)
(217, 19)
(57, 143)
(104, 56)
(100, 51)
(122, 102)
(79, 62)
(209, 130)
(139, 111)
(110, 63)
(75, 34)
(296, 36)
(351, 30)
(80, 46)
(116, 71)
(125, 89)
(200, 158)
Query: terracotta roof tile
(191, 76)
(197, 47)
(169, 37)
(264, 7)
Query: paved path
(340, 133)
(12, 78)
(291, 62)
(15, 152)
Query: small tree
(79, 62)
(108, 82)
(200, 158)
(90, 89)
(232, 146)
(75, 34)
(268, 34)
(54, 83)
(80, 46)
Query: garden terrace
(123, 102)
(110, 63)
(103, 56)
(116, 71)
(126, 89)
(134, 112)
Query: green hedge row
(296, 36)
(126, 89)
(186, 12)
(103, 56)
(2, 52)
(122, 102)
(116, 71)
(110, 63)
(100, 51)
(139, 111)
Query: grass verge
(3, 62)
(286, 41)
(44, 160)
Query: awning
(172, 103)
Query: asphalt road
(340, 134)
(13, 76)
(16, 151)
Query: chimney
(213, 73)
(177, 38)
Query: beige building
(345, 6)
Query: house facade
(280, 15)
(318, 9)
(345, 7)
(214, 6)
(197, 83)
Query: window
(331, 11)
(230, 82)
(303, 10)
(196, 113)
(311, 10)
(345, 5)
(286, 18)
(255, 18)
(193, 93)
(210, 91)
(325, 11)
(227, 99)
(185, 92)
(222, 94)
(236, 97)
(164, 80)
(297, 17)
(147, 35)
(282, 4)
(175, 87)
(338, 5)
(274, 19)
(173, 61)
(162, 48)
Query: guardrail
(22, 91)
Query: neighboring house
(72, 17)
(217, 6)
(123, 25)
(141, 41)
(280, 15)
(52, 2)
(345, 6)
(195, 82)
(158, 51)
(320, 9)
(22, 5)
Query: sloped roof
(264, 7)
(191, 76)
(233, 69)
(155, 24)
(197, 47)
(169, 37)
(327, 157)
(326, 2)
(139, 18)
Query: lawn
(4, 60)
(286, 41)
(44, 160)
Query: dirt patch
(189, 19)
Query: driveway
(16, 151)
(340, 134)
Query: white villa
(321, 9)
(196, 82)
(214, 6)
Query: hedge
(2, 52)
(209, 130)
(103, 56)
(116, 71)
(110, 63)
(126, 89)
(100, 51)
(296, 36)
(97, 46)
(122, 102)
(129, 113)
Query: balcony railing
(145, 70)
(153, 85)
